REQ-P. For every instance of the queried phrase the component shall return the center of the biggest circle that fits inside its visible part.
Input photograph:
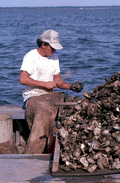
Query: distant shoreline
(64, 7)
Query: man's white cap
(52, 37)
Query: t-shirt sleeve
(28, 63)
(57, 67)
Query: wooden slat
(65, 103)
(55, 166)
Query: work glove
(76, 86)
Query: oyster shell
(97, 155)
(95, 145)
(90, 160)
(105, 161)
(86, 94)
(97, 131)
(63, 133)
(106, 132)
(92, 168)
(99, 164)
(76, 153)
(84, 162)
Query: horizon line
(57, 6)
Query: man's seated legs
(40, 114)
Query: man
(40, 73)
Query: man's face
(48, 50)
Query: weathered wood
(56, 156)
(6, 127)
(66, 103)
(57, 145)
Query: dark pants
(40, 115)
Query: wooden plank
(46, 157)
(65, 103)
(17, 138)
(56, 156)
(57, 145)
(80, 172)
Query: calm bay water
(90, 37)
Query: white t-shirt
(41, 69)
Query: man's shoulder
(32, 52)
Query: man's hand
(51, 85)
(76, 86)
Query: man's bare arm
(60, 83)
(25, 79)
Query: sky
(44, 3)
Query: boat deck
(36, 168)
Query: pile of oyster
(89, 132)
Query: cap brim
(56, 46)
